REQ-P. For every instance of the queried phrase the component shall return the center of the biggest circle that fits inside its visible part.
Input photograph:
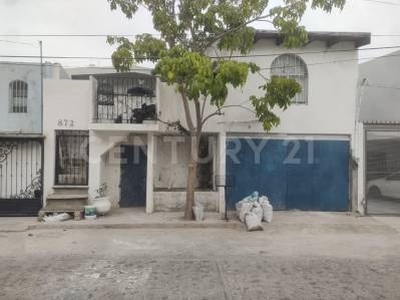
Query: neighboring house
(379, 132)
(118, 120)
(21, 139)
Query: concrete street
(298, 256)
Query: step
(67, 197)
(70, 189)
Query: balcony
(125, 98)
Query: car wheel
(374, 193)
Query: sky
(32, 17)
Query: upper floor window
(292, 66)
(18, 96)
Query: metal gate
(21, 174)
(382, 176)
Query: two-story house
(21, 139)
(111, 128)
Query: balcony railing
(125, 98)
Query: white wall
(331, 94)
(66, 107)
(26, 123)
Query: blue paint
(133, 176)
(294, 174)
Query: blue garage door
(294, 174)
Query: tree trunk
(191, 185)
(192, 176)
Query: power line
(19, 43)
(265, 68)
(74, 35)
(220, 56)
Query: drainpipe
(361, 147)
(41, 87)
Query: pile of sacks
(254, 209)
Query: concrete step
(67, 197)
(71, 190)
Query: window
(292, 66)
(18, 96)
(394, 177)
(72, 157)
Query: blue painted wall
(294, 174)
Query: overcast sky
(95, 17)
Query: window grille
(292, 66)
(18, 96)
(72, 157)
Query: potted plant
(101, 200)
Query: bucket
(90, 212)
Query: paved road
(293, 263)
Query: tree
(188, 29)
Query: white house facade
(107, 127)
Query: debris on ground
(57, 217)
(198, 211)
(254, 209)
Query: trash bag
(198, 212)
(268, 212)
(253, 222)
(252, 198)
(57, 217)
(245, 209)
(257, 210)
(263, 200)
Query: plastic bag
(257, 210)
(253, 223)
(245, 209)
(198, 212)
(268, 212)
(57, 217)
(252, 198)
(263, 200)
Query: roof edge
(330, 37)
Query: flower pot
(102, 204)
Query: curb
(194, 225)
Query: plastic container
(90, 212)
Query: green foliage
(188, 29)
(197, 75)
(278, 93)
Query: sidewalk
(122, 218)
(284, 221)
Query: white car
(388, 186)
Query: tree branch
(218, 111)
(228, 31)
(203, 107)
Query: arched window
(292, 66)
(18, 96)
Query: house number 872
(65, 123)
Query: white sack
(257, 210)
(268, 212)
(245, 209)
(253, 222)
